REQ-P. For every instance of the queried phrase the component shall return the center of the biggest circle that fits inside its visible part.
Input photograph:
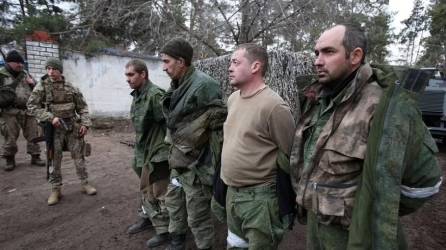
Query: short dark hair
(139, 66)
(354, 37)
(256, 52)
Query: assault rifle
(48, 133)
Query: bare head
(249, 62)
(136, 73)
(339, 51)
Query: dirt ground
(100, 221)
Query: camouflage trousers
(153, 201)
(71, 141)
(191, 205)
(253, 218)
(11, 126)
(334, 237)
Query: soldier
(58, 102)
(362, 156)
(194, 113)
(150, 161)
(258, 131)
(16, 116)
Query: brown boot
(88, 189)
(10, 162)
(36, 161)
(54, 196)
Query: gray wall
(101, 79)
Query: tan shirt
(256, 127)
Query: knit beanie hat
(54, 63)
(14, 56)
(177, 48)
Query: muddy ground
(100, 222)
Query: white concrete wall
(102, 81)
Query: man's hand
(29, 80)
(56, 122)
(83, 131)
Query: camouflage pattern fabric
(400, 172)
(194, 112)
(150, 157)
(74, 144)
(329, 148)
(150, 128)
(61, 99)
(153, 201)
(58, 99)
(16, 117)
(7, 96)
(189, 205)
(253, 218)
(358, 168)
(13, 125)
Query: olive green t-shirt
(256, 127)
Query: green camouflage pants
(320, 236)
(191, 205)
(153, 201)
(12, 124)
(75, 145)
(333, 237)
(253, 218)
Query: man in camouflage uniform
(58, 102)
(361, 155)
(194, 113)
(16, 117)
(150, 161)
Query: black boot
(36, 161)
(10, 162)
(177, 242)
(142, 225)
(158, 240)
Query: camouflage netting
(288, 73)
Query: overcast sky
(400, 10)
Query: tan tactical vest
(60, 99)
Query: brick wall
(37, 53)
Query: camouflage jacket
(327, 177)
(47, 95)
(150, 128)
(195, 113)
(22, 89)
(400, 172)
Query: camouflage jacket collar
(45, 78)
(314, 91)
(144, 88)
(182, 83)
(5, 71)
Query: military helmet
(7, 96)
